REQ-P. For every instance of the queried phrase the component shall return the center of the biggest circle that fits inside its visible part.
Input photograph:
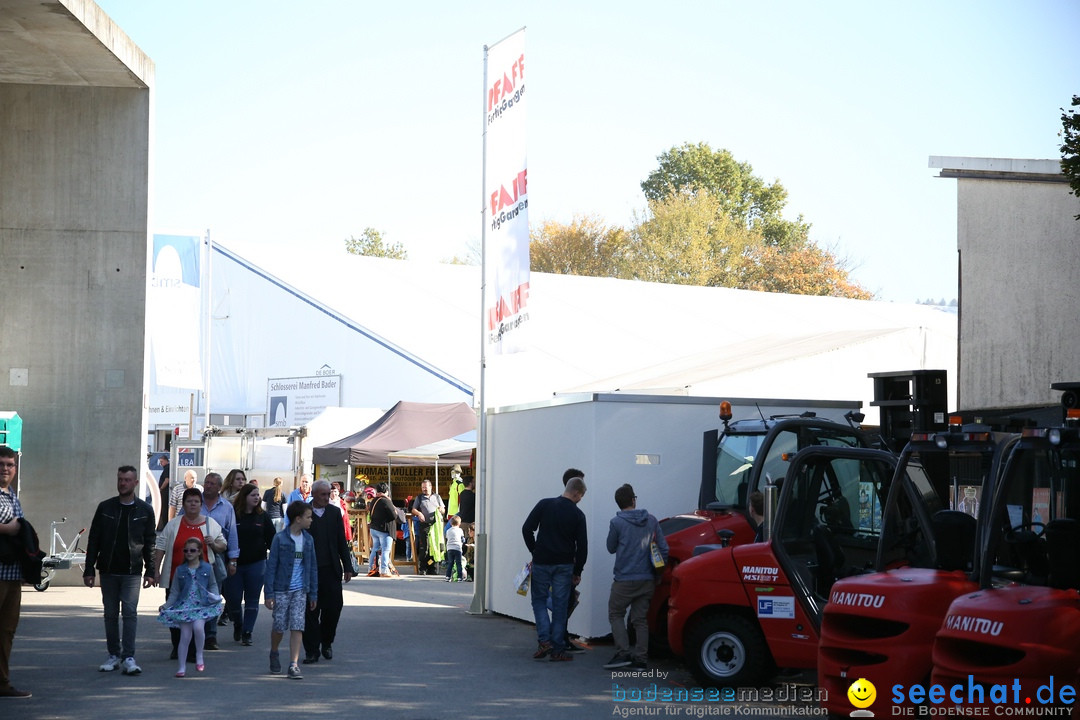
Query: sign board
(298, 400)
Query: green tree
(743, 196)
(585, 246)
(1070, 146)
(372, 244)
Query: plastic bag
(521, 580)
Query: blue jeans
(247, 583)
(380, 543)
(556, 581)
(120, 595)
(453, 562)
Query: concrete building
(75, 118)
(1019, 247)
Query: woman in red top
(170, 543)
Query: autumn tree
(1070, 146)
(372, 244)
(585, 246)
(750, 245)
(686, 239)
(809, 270)
(743, 196)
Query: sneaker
(111, 664)
(128, 667)
(560, 657)
(619, 660)
(275, 663)
(211, 644)
(448, 580)
(639, 664)
(245, 639)
(575, 646)
(294, 672)
(14, 693)
(542, 651)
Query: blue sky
(286, 127)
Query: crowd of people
(225, 545)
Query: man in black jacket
(334, 560)
(120, 545)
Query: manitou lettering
(508, 306)
(977, 625)
(504, 197)
(753, 573)
(857, 599)
(505, 86)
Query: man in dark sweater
(334, 561)
(555, 533)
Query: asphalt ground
(406, 648)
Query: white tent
(601, 334)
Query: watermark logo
(862, 694)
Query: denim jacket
(204, 579)
(279, 566)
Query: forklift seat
(1063, 553)
(954, 538)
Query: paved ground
(406, 649)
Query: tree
(1070, 146)
(743, 196)
(584, 247)
(809, 270)
(686, 239)
(371, 243)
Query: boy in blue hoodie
(630, 535)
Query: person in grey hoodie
(630, 536)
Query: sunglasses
(191, 550)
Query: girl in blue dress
(195, 600)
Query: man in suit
(334, 561)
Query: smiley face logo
(862, 693)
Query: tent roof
(601, 334)
(405, 426)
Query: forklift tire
(728, 650)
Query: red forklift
(739, 613)
(1020, 630)
(736, 462)
(880, 626)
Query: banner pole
(480, 569)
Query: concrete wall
(74, 163)
(1019, 290)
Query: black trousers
(320, 624)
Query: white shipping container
(653, 442)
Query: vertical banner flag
(506, 210)
(174, 312)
